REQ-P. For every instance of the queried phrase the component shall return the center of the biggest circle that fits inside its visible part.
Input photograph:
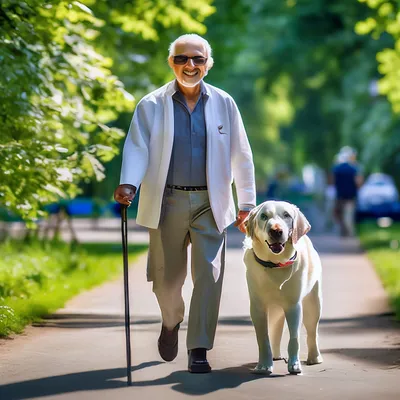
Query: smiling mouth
(276, 247)
(187, 73)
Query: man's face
(189, 74)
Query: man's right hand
(124, 194)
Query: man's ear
(210, 63)
(250, 221)
(300, 225)
(170, 61)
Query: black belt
(187, 188)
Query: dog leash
(281, 359)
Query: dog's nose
(276, 232)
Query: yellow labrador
(284, 280)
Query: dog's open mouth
(276, 247)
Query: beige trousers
(345, 213)
(186, 217)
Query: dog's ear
(250, 220)
(300, 225)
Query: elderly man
(185, 147)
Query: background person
(346, 178)
(185, 146)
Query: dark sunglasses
(182, 60)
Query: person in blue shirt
(347, 178)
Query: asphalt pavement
(79, 352)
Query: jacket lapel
(209, 112)
(168, 128)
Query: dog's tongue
(276, 247)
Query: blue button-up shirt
(188, 159)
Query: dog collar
(269, 264)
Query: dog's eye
(286, 215)
(264, 217)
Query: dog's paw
(315, 360)
(261, 369)
(294, 368)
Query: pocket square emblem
(220, 130)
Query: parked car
(377, 197)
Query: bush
(38, 278)
(383, 247)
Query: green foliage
(136, 36)
(238, 70)
(311, 44)
(63, 63)
(382, 246)
(303, 73)
(380, 125)
(57, 95)
(385, 19)
(39, 278)
(305, 81)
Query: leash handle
(124, 231)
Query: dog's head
(274, 223)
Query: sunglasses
(182, 60)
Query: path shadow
(385, 357)
(227, 378)
(87, 321)
(235, 321)
(94, 321)
(69, 383)
(359, 324)
(338, 325)
(181, 381)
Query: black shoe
(168, 343)
(197, 361)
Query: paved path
(80, 352)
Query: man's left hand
(242, 215)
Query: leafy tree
(60, 92)
(380, 129)
(305, 81)
(310, 44)
(385, 20)
(136, 35)
(239, 70)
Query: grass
(382, 245)
(38, 278)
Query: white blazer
(148, 147)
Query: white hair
(346, 154)
(192, 37)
